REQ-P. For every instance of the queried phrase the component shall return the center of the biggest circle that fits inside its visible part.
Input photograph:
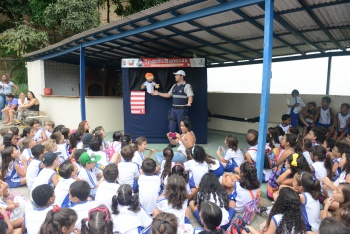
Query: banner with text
(162, 62)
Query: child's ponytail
(328, 166)
(168, 154)
(164, 223)
(249, 179)
(134, 203)
(115, 205)
(125, 140)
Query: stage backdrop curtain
(154, 124)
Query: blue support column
(82, 83)
(329, 68)
(265, 91)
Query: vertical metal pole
(329, 74)
(82, 83)
(265, 91)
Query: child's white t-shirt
(44, 177)
(63, 148)
(253, 152)
(48, 134)
(197, 170)
(242, 196)
(33, 219)
(82, 210)
(89, 176)
(237, 156)
(27, 153)
(104, 157)
(105, 193)
(149, 187)
(138, 158)
(128, 171)
(319, 169)
(32, 171)
(62, 192)
(127, 221)
(307, 156)
(297, 109)
(311, 211)
(164, 206)
(38, 134)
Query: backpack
(236, 226)
(272, 184)
(111, 150)
(252, 207)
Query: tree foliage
(72, 15)
(14, 10)
(129, 7)
(22, 39)
(37, 10)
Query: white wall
(248, 106)
(36, 77)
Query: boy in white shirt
(78, 195)
(128, 170)
(43, 197)
(47, 175)
(49, 127)
(35, 165)
(149, 185)
(90, 172)
(68, 172)
(109, 187)
(96, 147)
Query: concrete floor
(215, 139)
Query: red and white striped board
(137, 102)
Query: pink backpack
(111, 150)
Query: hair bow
(294, 162)
(55, 209)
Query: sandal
(263, 214)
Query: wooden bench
(41, 117)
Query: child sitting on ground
(27, 145)
(128, 215)
(47, 175)
(140, 145)
(197, 166)
(96, 146)
(128, 171)
(325, 116)
(61, 146)
(164, 223)
(36, 164)
(285, 125)
(59, 221)
(49, 127)
(78, 195)
(12, 171)
(90, 173)
(252, 140)
(317, 136)
(68, 171)
(99, 220)
(342, 122)
(43, 197)
(109, 187)
(233, 156)
(149, 185)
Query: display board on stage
(147, 115)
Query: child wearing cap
(108, 188)
(43, 196)
(89, 173)
(48, 175)
(85, 139)
(68, 172)
(35, 165)
(128, 170)
(78, 195)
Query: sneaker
(171, 146)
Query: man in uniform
(182, 97)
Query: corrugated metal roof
(300, 27)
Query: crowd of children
(80, 183)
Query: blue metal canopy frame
(103, 44)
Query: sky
(309, 76)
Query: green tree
(72, 15)
(128, 7)
(14, 10)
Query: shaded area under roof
(221, 31)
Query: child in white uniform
(196, 166)
(140, 145)
(322, 166)
(233, 156)
(310, 189)
(43, 197)
(95, 146)
(61, 146)
(99, 220)
(28, 144)
(128, 170)
(149, 185)
(78, 195)
(128, 216)
(68, 172)
(245, 189)
(109, 187)
(252, 140)
(36, 164)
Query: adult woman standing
(29, 109)
(186, 140)
(6, 88)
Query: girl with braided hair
(98, 221)
(128, 215)
(164, 223)
(211, 190)
(285, 217)
(59, 221)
